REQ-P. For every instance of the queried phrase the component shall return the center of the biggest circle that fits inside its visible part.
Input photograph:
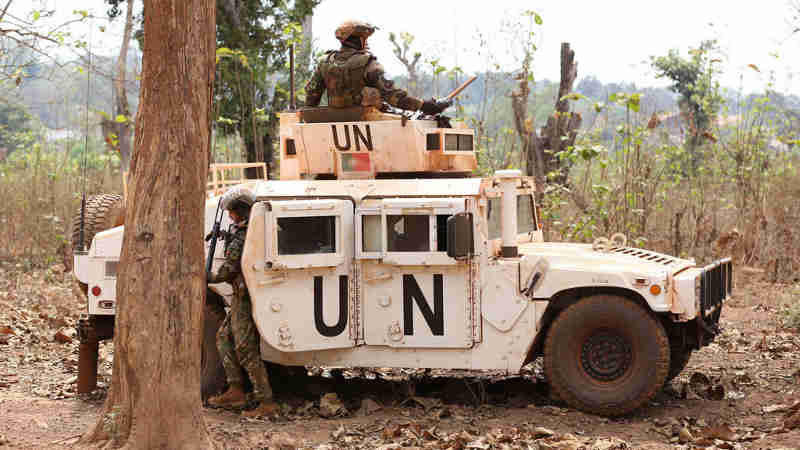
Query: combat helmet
(239, 200)
(355, 29)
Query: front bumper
(714, 286)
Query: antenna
(82, 233)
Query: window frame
(359, 221)
(490, 211)
(339, 209)
(430, 207)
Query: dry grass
(40, 191)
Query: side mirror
(460, 242)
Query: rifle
(213, 236)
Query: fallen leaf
(62, 337)
(774, 408)
(723, 432)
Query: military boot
(234, 397)
(265, 408)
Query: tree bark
(154, 400)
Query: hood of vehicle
(616, 259)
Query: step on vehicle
(378, 249)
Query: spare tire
(103, 212)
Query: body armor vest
(345, 78)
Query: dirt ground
(735, 393)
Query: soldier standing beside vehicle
(237, 338)
(352, 76)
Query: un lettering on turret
(362, 135)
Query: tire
(212, 372)
(606, 355)
(678, 359)
(103, 212)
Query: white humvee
(401, 261)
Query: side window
(441, 232)
(408, 233)
(371, 233)
(306, 235)
(493, 218)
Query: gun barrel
(458, 90)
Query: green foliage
(252, 60)
(15, 125)
(695, 79)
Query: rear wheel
(606, 355)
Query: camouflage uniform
(237, 338)
(345, 73)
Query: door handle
(273, 280)
(379, 277)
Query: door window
(306, 235)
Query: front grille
(646, 255)
(716, 285)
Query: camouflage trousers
(238, 345)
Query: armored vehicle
(377, 249)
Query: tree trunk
(561, 129)
(306, 45)
(121, 93)
(154, 400)
(557, 135)
(118, 134)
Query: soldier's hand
(433, 106)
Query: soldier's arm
(315, 88)
(233, 260)
(396, 97)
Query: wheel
(213, 376)
(103, 212)
(606, 355)
(678, 359)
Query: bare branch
(5, 10)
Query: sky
(612, 40)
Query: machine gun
(213, 236)
(458, 90)
(443, 121)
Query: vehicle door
(305, 297)
(414, 295)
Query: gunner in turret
(352, 76)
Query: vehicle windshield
(526, 217)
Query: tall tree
(402, 50)
(541, 150)
(694, 79)
(263, 46)
(154, 401)
(117, 129)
